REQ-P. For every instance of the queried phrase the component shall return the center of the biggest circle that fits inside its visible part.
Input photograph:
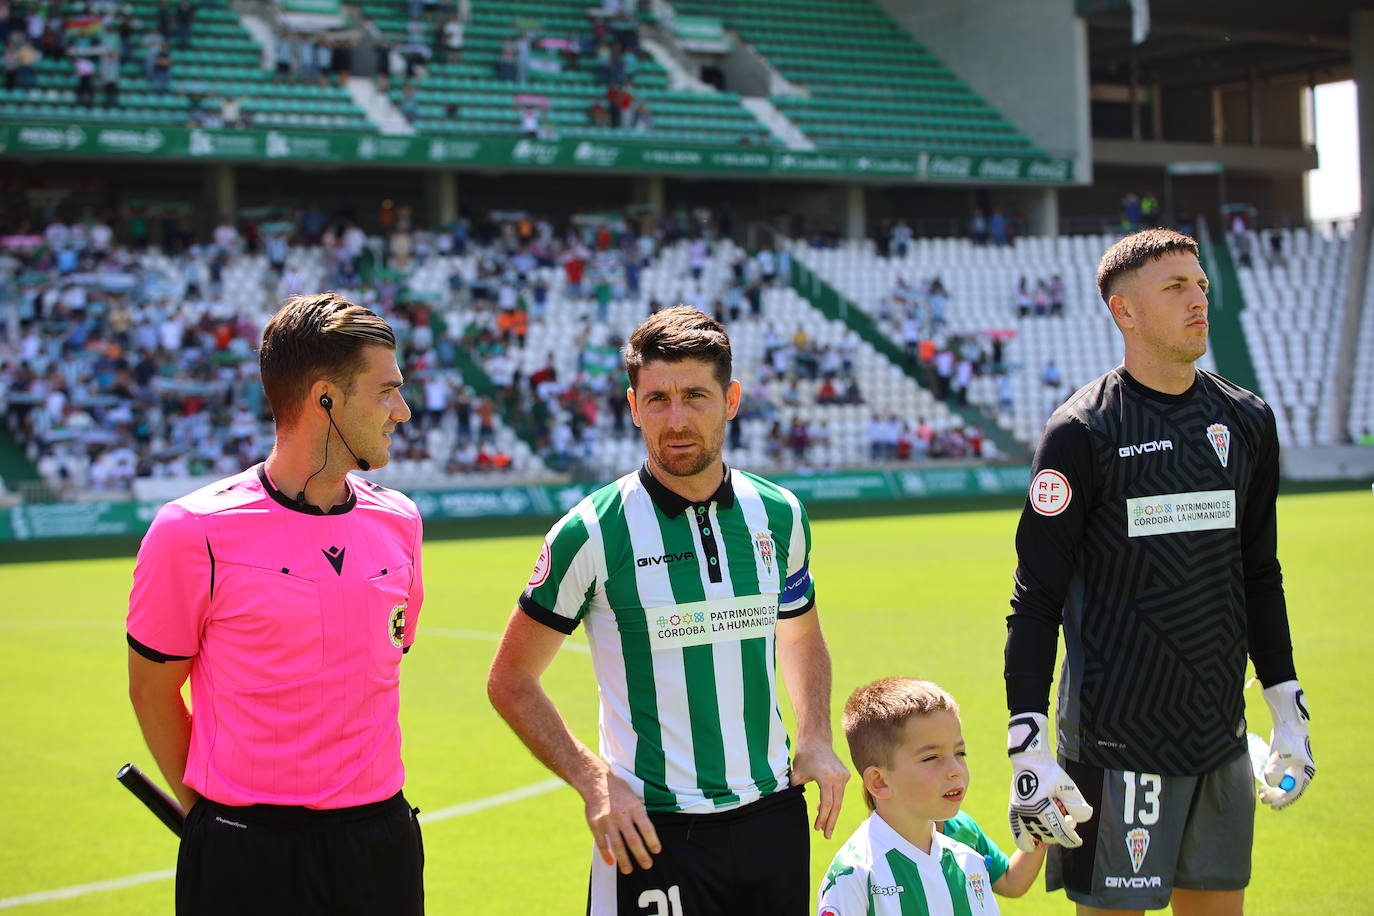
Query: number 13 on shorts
(1142, 788)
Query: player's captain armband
(541, 567)
(796, 585)
(1050, 492)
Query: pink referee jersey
(296, 621)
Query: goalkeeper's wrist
(1028, 733)
(1284, 700)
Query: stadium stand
(134, 367)
(870, 84)
(1045, 352)
(586, 425)
(583, 76)
(1295, 292)
(1360, 426)
(149, 67)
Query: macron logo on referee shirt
(335, 556)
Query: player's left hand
(1290, 746)
(1045, 804)
(816, 762)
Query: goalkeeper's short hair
(875, 713)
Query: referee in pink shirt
(287, 594)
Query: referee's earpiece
(326, 402)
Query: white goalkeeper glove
(1290, 748)
(1045, 804)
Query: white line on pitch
(95, 887)
(492, 801)
(166, 874)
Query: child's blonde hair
(875, 713)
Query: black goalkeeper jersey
(1149, 533)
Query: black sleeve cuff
(548, 618)
(152, 654)
(788, 615)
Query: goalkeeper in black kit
(1149, 536)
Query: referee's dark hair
(875, 713)
(1130, 254)
(321, 335)
(674, 334)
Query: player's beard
(1190, 350)
(693, 463)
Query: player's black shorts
(754, 860)
(1151, 833)
(272, 859)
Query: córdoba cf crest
(1220, 437)
(1137, 844)
(763, 541)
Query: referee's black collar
(303, 507)
(674, 504)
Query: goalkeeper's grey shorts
(1150, 834)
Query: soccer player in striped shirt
(287, 594)
(908, 748)
(692, 579)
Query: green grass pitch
(920, 595)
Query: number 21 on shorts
(667, 903)
(1143, 788)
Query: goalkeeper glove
(1045, 804)
(1290, 747)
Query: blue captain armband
(795, 588)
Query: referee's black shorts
(272, 859)
(754, 860)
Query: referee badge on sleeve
(1050, 492)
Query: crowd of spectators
(96, 39)
(895, 237)
(1046, 298)
(608, 49)
(314, 57)
(118, 363)
(114, 366)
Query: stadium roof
(1223, 41)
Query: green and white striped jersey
(879, 873)
(681, 602)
